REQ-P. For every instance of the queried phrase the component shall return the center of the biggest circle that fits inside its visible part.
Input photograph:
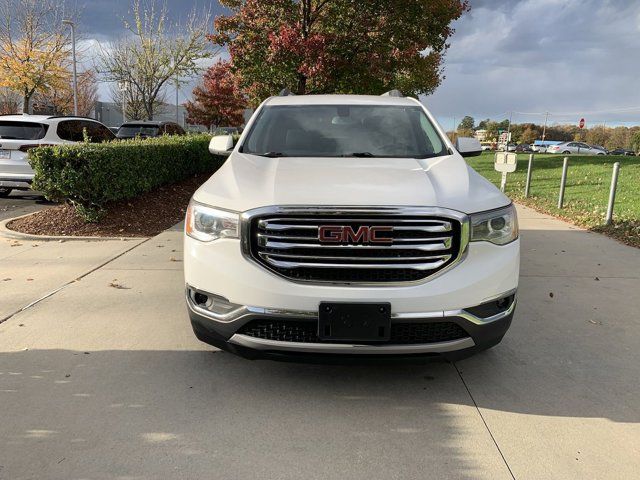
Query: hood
(249, 181)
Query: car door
(572, 147)
(585, 149)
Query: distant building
(481, 135)
(110, 114)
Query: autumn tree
(218, 100)
(34, 46)
(156, 52)
(529, 135)
(337, 46)
(59, 101)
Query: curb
(6, 232)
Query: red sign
(581, 123)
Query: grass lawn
(587, 190)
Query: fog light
(200, 299)
(214, 303)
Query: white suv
(349, 225)
(20, 133)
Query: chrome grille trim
(426, 241)
(385, 266)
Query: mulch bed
(144, 216)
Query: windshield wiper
(359, 154)
(271, 154)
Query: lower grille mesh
(307, 331)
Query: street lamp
(123, 86)
(75, 75)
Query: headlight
(495, 226)
(207, 224)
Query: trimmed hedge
(90, 175)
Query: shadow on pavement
(564, 380)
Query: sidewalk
(104, 378)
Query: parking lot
(21, 203)
(102, 378)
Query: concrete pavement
(105, 380)
(22, 202)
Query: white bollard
(612, 193)
(563, 182)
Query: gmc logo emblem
(346, 234)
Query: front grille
(414, 247)
(307, 331)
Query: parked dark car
(523, 147)
(149, 129)
(622, 151)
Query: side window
(97, 133)
(70, 130)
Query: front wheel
(566, 152)
(4, 192)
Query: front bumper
(483, 329)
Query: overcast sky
(573, 58)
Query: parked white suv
(20, 133)
(349, 225)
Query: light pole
(123, 86)
(177, 105)
(75, 74)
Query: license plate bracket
(357, 322)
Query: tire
(566, 152)
(4, 192)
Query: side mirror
(221, 145)
(468, 146)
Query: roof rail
(392, 93)
(52, 117)
(285, 92)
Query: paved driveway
(104, 380)
(20, 203)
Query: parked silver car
(579, 148)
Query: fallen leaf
(119, 286)
(597, 279)
(551, 294)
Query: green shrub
(90, 175)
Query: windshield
(344, 131)
(142, 130)
(10, 130)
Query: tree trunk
(26, 103)
(302, 85)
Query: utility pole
(75, 74)
(544, 129)
(509, 130)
